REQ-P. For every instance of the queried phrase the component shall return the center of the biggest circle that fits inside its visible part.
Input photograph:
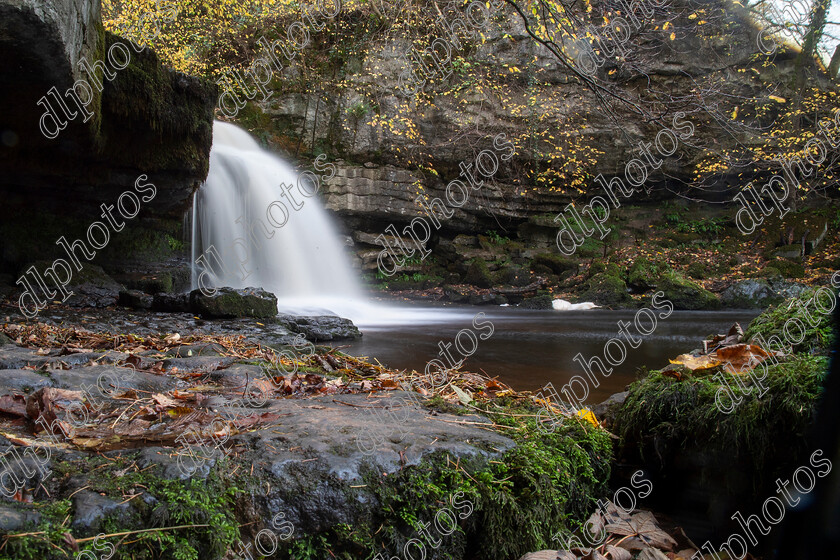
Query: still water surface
(530, 348)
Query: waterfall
(257, 222)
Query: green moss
(606, 290)
(205, 504)
(788, 269)
(802, 310)
(667, 422)
(545, 484)
(478, 274)
(644, 274)
(685, 293)
(51, 525)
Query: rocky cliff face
(394, 145)
(56, 166)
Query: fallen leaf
(464, 396)
(13, 404)
(587, 415)
(616, 553)
(741, 358)
(696, 363)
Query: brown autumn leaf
(648, 530)
(47, 401)
(13, 404)
(616, 553)
(741, 358)
(162, 401)
(71, 541)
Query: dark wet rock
(456, 294)
(171, 303)
(605, 411)
(16, 357)
(228, 303)
(136, 299)
(24, 467)
(515, 276)
(64, 361)
(236, 375)
(123, 378)
(5, 340)
(538, 302)
(199, 364)
(555, 263)
(321, 327)
(151, 284)
(16, 519)
(478, 274)
(752, 293)
(202, 349)
(23, 381)
(482, 299)
(90, 286)
(168, 460)
(90, 509)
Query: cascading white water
(257, 222)
(246, 232)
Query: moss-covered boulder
(537, 302)
(513, 275)
(606, 290)
(645, 274)
(808, 328)
(478, 275)
(787, 268)
(305, 489)
(228, 303)
(711, 431)
(687, 294)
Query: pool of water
(528, 349)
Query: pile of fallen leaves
(131, 417)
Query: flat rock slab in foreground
(313, 463)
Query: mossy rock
(538, 302)
(606, 290)
(802, 310)
(709, 432)
(699, 270)
(752, 293)
(645, 274)
(770, 272)
(608, 268)
(478, 274)
(229, 303)
(787, 268)
(788, 251)
(513, 276)
(687, 294)
(555, 263)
